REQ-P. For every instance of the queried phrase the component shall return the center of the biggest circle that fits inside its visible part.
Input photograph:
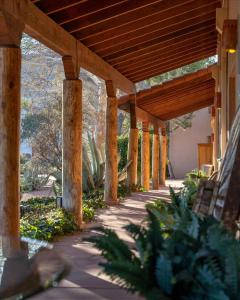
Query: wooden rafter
(201, 41)
(176, 97)
(110, 47)
(160, 64)
(41, 27)
(135, 36)
(125, 41)
(161, 19)
(170, 67)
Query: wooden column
(232, 101)
(10, 72)
(155, 158)
(10, 103)
(223, 85)
(163, 163)
(72, 140)
(111, 171)
(145, 156)
(213, 125)
(133, 146)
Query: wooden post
(155, 159)
(72, 141)
(111, 171)
(215, 114)
(10, 73)
(213, 139)
(145, 156)
(133, 146)
(163, 157)
(10, 103)
(223, 85)
(232, 101)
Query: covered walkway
(84, 282)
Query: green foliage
(188, 258)
(93, 166)
(95, 199)
(31, 123)
(44, 224)
(191, 183)
(42, 220)
(123, 190)
(123, 150)
(31, 179)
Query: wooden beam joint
(132, 110)
(11, 30)
(71, 67)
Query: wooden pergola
(122, 42)
(164, 102)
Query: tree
(41, 124)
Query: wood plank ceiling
(176, 97)
(140, 38)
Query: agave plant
(189, 258)
(93, 166)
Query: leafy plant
(40, 219)
(190, 185)
(93, 166)
(47, 224)
(187, 258)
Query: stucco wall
(183, 151)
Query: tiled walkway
(84, 281)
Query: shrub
(188, 257)
(46, 225)
(191, 183)
(123, 151)
(42, 220)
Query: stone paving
(84, 282)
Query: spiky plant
(93, 166)
(193, 258)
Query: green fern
(188, 258)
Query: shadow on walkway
(84, 282)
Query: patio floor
(84, 282)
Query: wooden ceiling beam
(199, 76)
(85, 9)
(148, 117)
(187, 110)
(109, 48)
(126, 23)
(153, 73)
(169, 56)
(207, 26)
(41, 27)
(49, 7)
(176, 59)
(118, 21)
(179, 93)
(169, 52)
(161, 98)
(175, 105)
(176, 84)
(171, 103)
(201, 39)
(114, 59)
(131, 10)
(161, 19)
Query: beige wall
(183, 151)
